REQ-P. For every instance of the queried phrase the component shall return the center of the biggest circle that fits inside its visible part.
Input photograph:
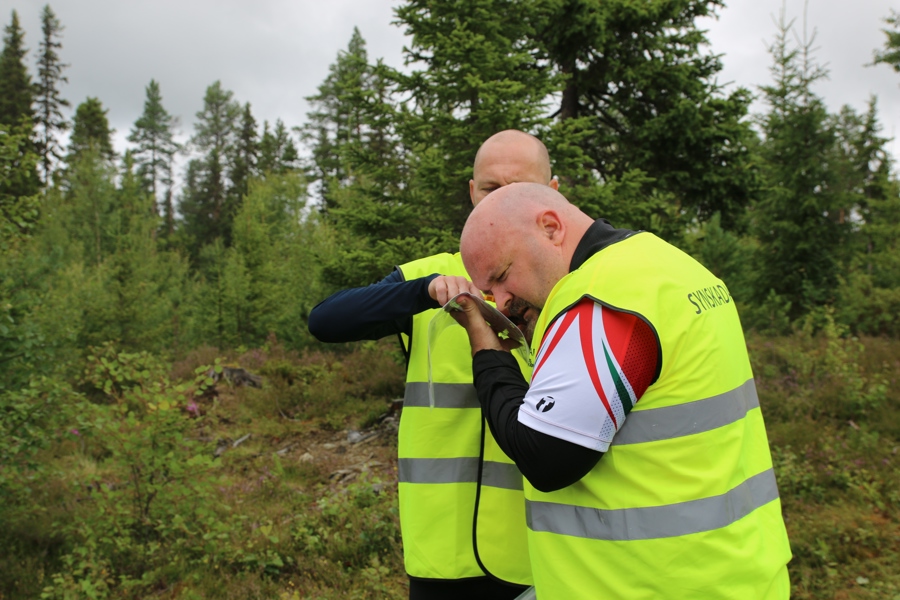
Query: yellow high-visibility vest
(684, 504)
(442, 468)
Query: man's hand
(444, 287)
(481, 336)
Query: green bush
(29, 420)
(866, 308)
(816, 373)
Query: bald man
(461, 504)
(640, 435)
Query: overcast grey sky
(273, 53)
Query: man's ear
(472, 191)
(551, 226)
(554, 183)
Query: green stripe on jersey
(624, 396)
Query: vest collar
(599, 235)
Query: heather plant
(327, 386)
(353, 532)
(833, 415)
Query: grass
(295, 511)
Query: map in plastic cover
(502, 326)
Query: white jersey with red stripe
(593, 365)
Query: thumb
(466, 303)
(470, 307)
(480, 334)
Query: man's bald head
(507, 157)
(518, 243)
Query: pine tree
(798, 218)
(204, 201)
(90, 130)
(155, 152)
(16, 92)
(50, 119)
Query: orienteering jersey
(594, 365)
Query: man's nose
(503, 300)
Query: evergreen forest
(170, 429)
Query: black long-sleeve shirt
(548, 463)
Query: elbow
(553, 477)
(545, 486)
(546, 480)
(316, 326)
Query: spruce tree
(90, 130)
(20, 178)
(244, 159)
(277, 151)
(640, 97)
(360, 169)
(798, 218)
(204, 203)
(479, 75)
(156, 148)
(50, 120)
(16, 92)
(868, 297)
(890, 54)
(335, 120)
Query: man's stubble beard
(525, 316)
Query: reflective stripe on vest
(446, 395)
(683, 518)
(670, 422)
(459, 470)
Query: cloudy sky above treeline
(274, 53)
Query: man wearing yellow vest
(462, 510)
(648, 469)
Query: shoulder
(444, 263)
(589, 331)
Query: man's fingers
(445, 287)
(471, 288)
(481, 336)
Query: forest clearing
(169, 426)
